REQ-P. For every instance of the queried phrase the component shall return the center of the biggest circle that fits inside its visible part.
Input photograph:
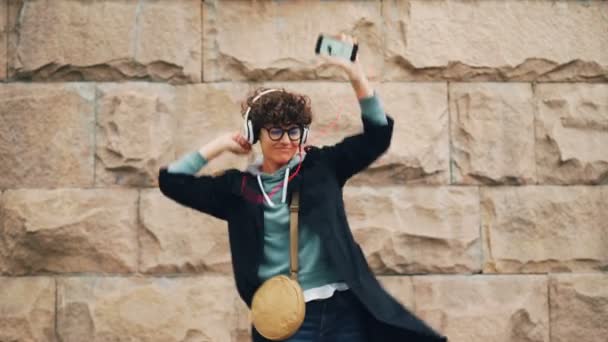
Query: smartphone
(332, 47)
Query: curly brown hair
(277, 108)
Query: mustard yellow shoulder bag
(278, 307)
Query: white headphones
(248, 131)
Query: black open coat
(231, 197)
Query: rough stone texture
(204, 111)
(545, 229)
(135, 127)
(492, 130)
(142, 126)
(400, 287)
(150, 309)
(176, 239)
(67, 40)
(27, 309)
(68, 230)
(419, 150)
(416, 229)
(579, 307)
(3, 38)
(496, 40)
(46, 135)
(572, 133)
(242, 330)
(281, 47)
(485, 308)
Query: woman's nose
(285, 138)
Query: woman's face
(282, 150)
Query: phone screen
(333, 47)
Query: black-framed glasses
(276, 133)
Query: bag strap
(293, 234)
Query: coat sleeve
(207, 194)
(355, 153)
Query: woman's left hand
(354, 70)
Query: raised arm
(355, 153)
(208, 194)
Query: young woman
(344, 300)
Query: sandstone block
(27, 307)
(146, 309)
(400, 287)
(47, 135)
(416, 229)
(135, 127)
(68, 230)
(419, 151)
(141, 127)
(176, 239)
(572, 133)
(496, 40)
(485, 308)
(281, 47)
(67, 40)
(544, 229)
(579, 307)
(492, 130)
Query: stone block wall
(488, 216)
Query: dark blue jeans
(339, 318)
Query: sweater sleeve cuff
(190, 163)
(372, 109)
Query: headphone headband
(256, 98)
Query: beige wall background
(487, 217)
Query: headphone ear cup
(251, 136)
(305, 135)
(255, 134)
(245, 130)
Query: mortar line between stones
(56, 308)
(202, 41)
(383, 29)
(549, 305)
(95, 117)
(480, 226)
(534, 116)
(275, 81)
(137, 28)
(414, 301)
(17, 32)
(7, 37)
(447, 88)
(137, 231)
(163, 275)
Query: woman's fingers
(239, 139)
(347, 38)
(244, 142)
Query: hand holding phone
(329, 46)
